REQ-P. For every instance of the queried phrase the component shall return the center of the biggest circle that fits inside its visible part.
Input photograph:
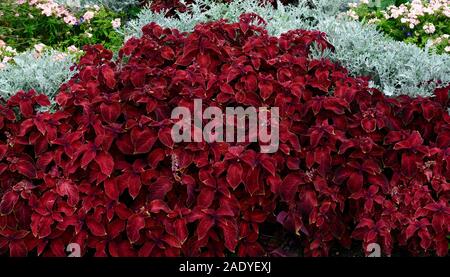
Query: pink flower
(429, 28)
(70, 19)
(447, 11)
(46, 8)
(116, 23)
(72, 49)
(88, 15)
(59, 57)
(39, 47)
(6, 59)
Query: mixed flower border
(100, 169)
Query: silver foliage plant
(45, 74)
(394, 67)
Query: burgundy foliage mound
(354, 166)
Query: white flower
(436, 41)
(447, 49)
(2, 65)
(46, 8)
(2, 43)
(428, 10)
(89, 35)
(59, 57)
(395, 14)
(39, 47)
(88, 15)
(6, 60)
(72, 49)
(352, 5)
(70, 19)
(352, 14)
(116, 23)
(96, 7)
(364, 1)
(373, 20)
(447, 11)
(429, 28)
(20, 2)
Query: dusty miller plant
(44, 74)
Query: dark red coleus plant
(103, 172)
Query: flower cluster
(443, 40)
(102, 170)
(6, 54)
(51, 8)
(417, 22)
(412, 14)
(59, 25)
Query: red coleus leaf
(234, 175)
(143, 140)
(165, 137)
(8, 202)
(26, 168)
(138, 77)
(96, 228)
(269, 164)
(369, 124)
(204, 226)
(413, 141)
(111, 189)
(106, 162)
(167, 53)
(67, 188)
(41, 225)
(159, 188)
(18, 249)
(15, 241)
(135, 223)
(289, 186)
(133, 182)
(110, 112)
(3, 150)
(88, 155)
(409, 164)
(230, 233)
(108, 75)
